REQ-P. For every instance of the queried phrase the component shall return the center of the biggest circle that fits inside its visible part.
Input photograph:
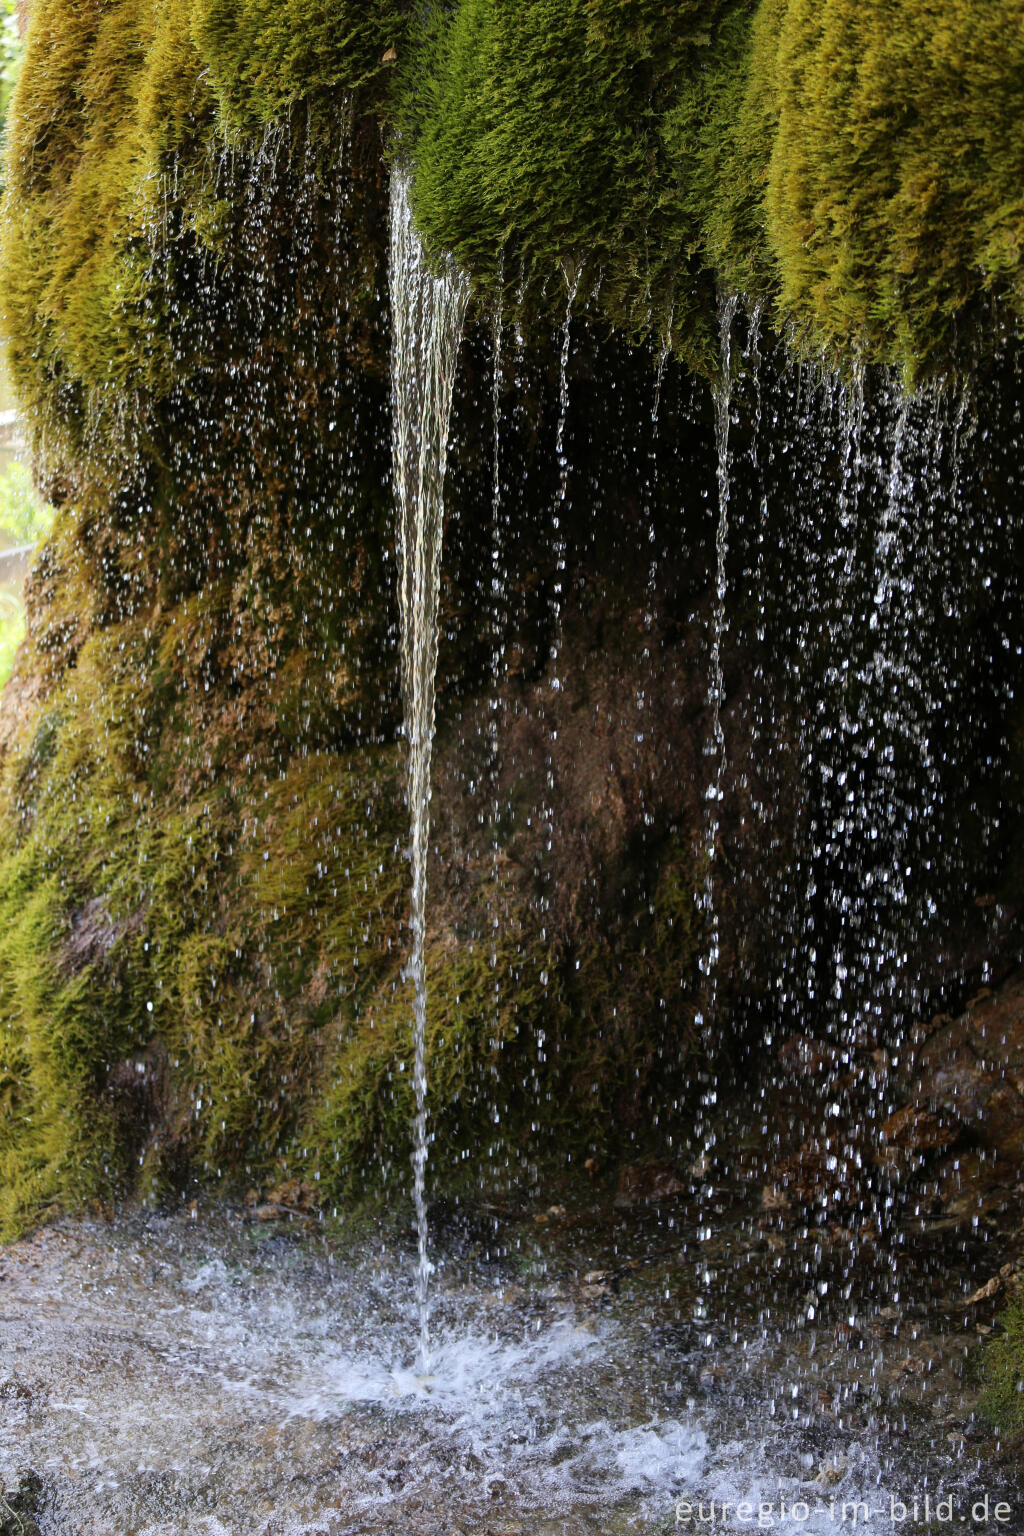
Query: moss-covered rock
(1003, 1398)
(856, 166)
(894, 205)
(859, 166)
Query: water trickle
(572, 278)
(497, 574)
(427, 311)
(715, 748)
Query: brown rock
(821, 1173)
(972, 1070)
(293, 1195)
(913, 1129)
(801, 1056)
(967, 1173)
(986, 1292)
(648, 1182)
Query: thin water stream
(428, 308)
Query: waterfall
(427, 313)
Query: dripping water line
(715, 747)
(704, 1017)
(497, 554)
(572, 278)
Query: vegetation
(855, 166)
(265, 57)
(1003, 1399)
(12, 633)
(10, 54)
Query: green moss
(1003, 1397)
(859, 166)
(487, 1003)
(77, 252)
(59, 1140)
(856, 166)
(264, 57)
(538, 135)
(894, 199)
(168, 973)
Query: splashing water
(428, 309)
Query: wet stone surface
(601, 1361)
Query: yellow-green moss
(859, 165)
(894, 200)
(264, 57)
(1003, 1397)
(537, 133)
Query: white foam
(209, 1364)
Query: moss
(859, 167)
(538, 136)
(894, 198)
(263, 58)
(81, 323)
(483, 1000)
(168, 973)
(1003, 1398)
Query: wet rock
(967, 1173)
(826, 1173)
(293, 1195)
(19, 1506)
(987, 1292)
(803, 1057)
(913, 1129)
(647, 1183)
(288, 1201)
(969, 1072)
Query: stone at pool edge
(20, 1505)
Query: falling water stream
(428, 308)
